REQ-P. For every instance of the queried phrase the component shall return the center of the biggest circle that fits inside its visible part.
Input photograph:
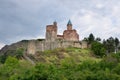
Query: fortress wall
(31, 49)
(51, 45)
(34, 45)
(66, 44)
(84, 44)
(77, 44)
(40, 45)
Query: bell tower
(69, 25)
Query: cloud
(91, 21)
(1, 45)
(26, 19)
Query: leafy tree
(9, 68)
(98, 49)
(11, 62)
(117, 69)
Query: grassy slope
(60, 54)
(61, 57)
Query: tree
(98, 49)
(85, 39)
(109, 44)
(9, 68)
(91, 38)
(98, 39)
(116, 44)
(116, 41)
(11, 63)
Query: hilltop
(60, 64)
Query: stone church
(68, 35)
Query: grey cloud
(20, 19)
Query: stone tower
(51, 32)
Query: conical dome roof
(69, 22)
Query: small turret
(69, 25)
(55, 23)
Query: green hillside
(60, 54)
(61, 64)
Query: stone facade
(68, 35)
(44, 45)
(51, 32)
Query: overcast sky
(27, 19)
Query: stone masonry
(68, 35)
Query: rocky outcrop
(8, 48)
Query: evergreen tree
(116, 44)
(91, 38)
(98, 39)
(109, 44)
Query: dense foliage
(68, 68)
(105, 47)
(98, 48)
